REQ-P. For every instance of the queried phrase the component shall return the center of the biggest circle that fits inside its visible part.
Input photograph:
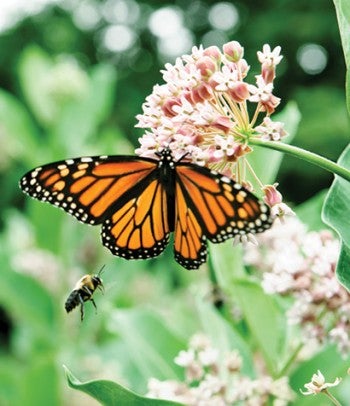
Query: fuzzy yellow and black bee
(83, 291)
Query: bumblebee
(83, 291)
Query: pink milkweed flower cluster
(213, 378)
(206, 111)
(300, 264)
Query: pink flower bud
(213, 83)
(206, 66)
(272, 195)
(223, 123)
(195, 96)
(233, 51)
(188, 96)
(205, 91)
(270, 104)
(239, 150)
(201, 93)
(243, 67)
(168, 106)
(268, 72)
(213, 52)
(239, 92)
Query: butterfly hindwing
(139, 229)
(190, 247)
(211, 206)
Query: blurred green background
(73, 76)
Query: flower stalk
(332, 398)
(308, 156)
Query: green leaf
(110, 393)
(336, 213)
(79, 119)
(27, 299)
(19, 134)
(40, 383)
(228, 339)
(150, 343)
(343, 16)
(265, 320)
(35, 63)
(227, 264)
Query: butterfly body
(140, 201)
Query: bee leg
(93, 302)
(87, 290)
(81, 308)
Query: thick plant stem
(311, 157)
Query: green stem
(311, 157)
(290, 361)
(331, 397)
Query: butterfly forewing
(88, 188)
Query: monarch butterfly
(140, 201)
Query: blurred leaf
(27, 299)
(110, 393)
(343, 16)
(34, 65)
(149, 342)
(228, 339)
(266, 162)
(310, 211)
(336, 213)
(47, 223)
(18, 132)
(103, 90)
(40, 370)
(226, 262)
(265, 319)
(79, 119)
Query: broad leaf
(336, 213)
(110, 393)
(149, 342)
(228, 339)
(265, 320)
(343, 15)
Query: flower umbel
(202, 110)
(300, 265)
(220, 381)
